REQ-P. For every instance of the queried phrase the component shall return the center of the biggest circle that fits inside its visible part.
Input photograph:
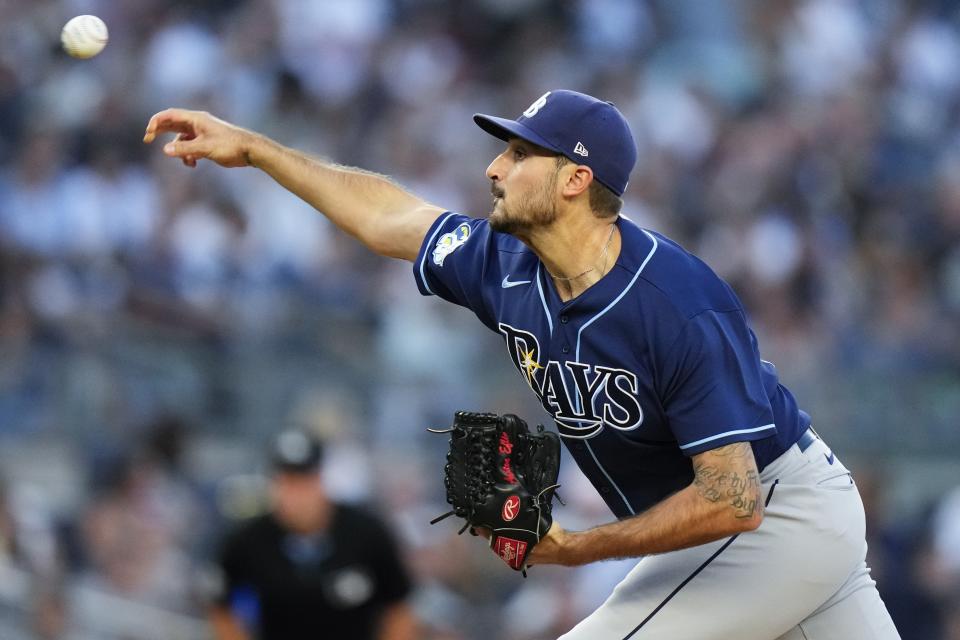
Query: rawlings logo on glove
(502, 477)
(510, 508)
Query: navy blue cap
(585, 130)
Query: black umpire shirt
(334, 585)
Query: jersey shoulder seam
(688, 316)
(686, 322)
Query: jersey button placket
(566, 331)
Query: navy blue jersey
(649, 366)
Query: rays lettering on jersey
(577, 416)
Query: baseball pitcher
(746, 524)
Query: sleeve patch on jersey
(448, 242)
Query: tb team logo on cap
(533, 109)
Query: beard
(535, 209)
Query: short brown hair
(603, 202)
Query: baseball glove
(502, 477)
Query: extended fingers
(170, 121)
(186, 147)
(198, 136)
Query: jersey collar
(635, 247)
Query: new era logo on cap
(574, 124)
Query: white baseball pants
(801, 575)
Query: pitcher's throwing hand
(200, 135)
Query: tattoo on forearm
(741, 490)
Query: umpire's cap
(294, 451)
(582, 128)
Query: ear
(579, 177)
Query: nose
(495, 169)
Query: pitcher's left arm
(724, 499)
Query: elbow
(727, 522)
(374, 238)
(749, 523)
(387, 246)
(748, 516)
(381, 245)
(391, 241)
(741, 515)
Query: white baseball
(84, 36)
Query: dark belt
(807, 438)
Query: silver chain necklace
(603, 255)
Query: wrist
(254, 149)
(572, 548)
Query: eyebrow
(529, 146)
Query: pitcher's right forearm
(378, 212)
(386, 218)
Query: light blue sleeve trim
(426, 252)
(728, 433)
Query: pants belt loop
(807, 438)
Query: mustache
(496, 191)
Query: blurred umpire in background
(310, 567)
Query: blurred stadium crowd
(158, 323)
